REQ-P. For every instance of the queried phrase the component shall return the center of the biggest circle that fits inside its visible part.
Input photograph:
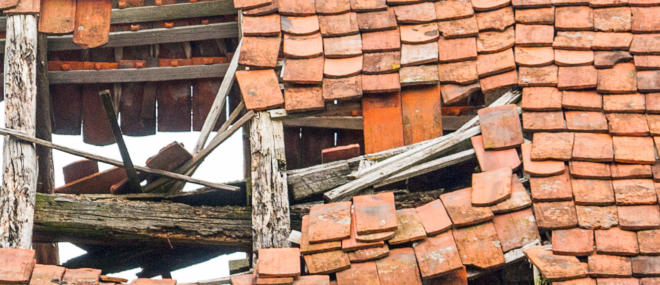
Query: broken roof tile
(342, 88)
(452, 93)
(419, 75)
(534, 35)
(415, 13)
(574, 57)
(369, 254)
(380, 83)
(360, 273)
(495, 20)
(434, 217)
(634, 150)
(259, 52)
(409, 228)
(538, 76)
(326, 262)
(381, 62)
(574, 18)
(601, 265)
(631, 171)
(338, 25)
(540, 168)
(500, 127)
(627, 103)
(419, 54)
(459, 28)
(342, 47)
(303, 46)
(495, 41)
(611, 41)
(491, 187)
(645, 44)
(389, 40)
(377, 20)
(534, 56)
(494, 159)
(400, 265)
(329, 222)
(637, 218)
(539, 16)
(593, 147)
(589, 192)
(575, 241)
(555, 267)
(460, 209)
(495, 63)
(306, 25)
(555, 215)
(616, 242)
(581, 40)
(541, 99)
(453, 9)
(594, 217)
(260, 89)
(590, 170)
(608, 59)
(371, 210)
(268, 25)
(582, 100)
(437, 255)
(516, 229)
(304, 70)
(263, 10)
(307, 248)
(485, 5)
(16, 266)
(340, 67)
(478, 246)
(498, 81)
(582, 121)
(296, 7)
(519, 198)
(419, 34)
(553, 146)
(464, 72)
(551, 189)
(616, 19)
(577, 77)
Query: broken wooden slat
(98, 183)
(138, 75)
(92, 23)
(173, 11)
(96, 129)
(330, 110)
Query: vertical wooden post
(46, 253)
(18, 194)
(271, 224)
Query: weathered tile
(647, 81)
(491, 187)
(586, 121)
(495, 63)
(531, 3)
(495, 20)
(300, 25)
(498, 81)
(464, 72)
(627, 124)
(352, 244)
(616, 242)
(312, 280)
(646, 266)
(381, 114)
(340, 67)
(553, 146)
(296, 7)
(304, 70)
(453, 9)
(16, 266)
(651, 280)
(419, 54)
(415, 13)
(574, 40)
(370, 210)
(459, 28)
(538, 76)
(608, 59)
(649, 243)
(260, 89)
(456, 277)
(460, 209)
(330, 7)
(588, 192)
(261, 280)
(453, 50)
(307, 248)
(555, 267)
(437, 255)
(360, 273)
(634, 192)
(268, 25)
(534, 35)
(303, 46)
(616, 19)
(409, 228)
(369, 254)
(574, 18)
(389, 40)
(540, 168)
(539, 16)
(551, 189)
(607, 3)
(654, 124)
(483, 5)
(380, 83)
(338, 25)
(645, 19)
(628, 103)
(329, 222)
(263, 10)
(576, 242)
(601, 265)
(434, 217)
(417, 75)
(645, 44)
(573, 57)
(368, 5)
(500, 127)
(617, 281)
(577, 77)
(631, 171)
(643, 3)
(541, 99)
(495, 41)
(327, 262)
(249, 4)
(611, 41)
(342, 88)
(377, 20)
(375, 237)
(519, 198)
(647, 62)
(419, 34)
(653, 103)
(594, 217)
(593, 147)
(516, 229)
(633, 150)
(494, 159)
(342, 47)
(398, 266)
(478, 246)
(582, 100)
(259, 52)
(636, 218)
(381, 62)
(555, 215)
(534, 56)
(590, 170)
(81, 276)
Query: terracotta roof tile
(617, 281)
(368, 5)
(634, 150)
(577, 242)
(629, 103)
(381, 62)
(400, 265)
(540, 168)
(382, 113)
(478, 246)
(573, 57)
(409, 228)
(593, 217)
(452, 93)
(351, 244)
(306, 25)
(417, 75)
(590, 192)
(611, 41)
(332, 6)
(541, 99)
(645, 44)
(268, 25)
(649, 281)
(555, 267)
(377, 20)
(342, 88)
(543, 121)
(80, 276)
(459, 28)
(329, 222)
(519, 198)
(419, 34)
(45, 274)
(540, 16)
(577, 77)
(628, 124)
(496, 20)
(375, 237)
(616, 242)
(464, 72)
(453, 50)
(593, 147)
(494, 159)
(370, 210)
(149, 281)
(531, 3)
(304, 71)
(453, 9)
(327, 262)
(551, 189)
(494, 41)
(581, 121)
(555, 215)
(260, 89)
(582, 281)
(500, 127)
(581, 40)
(616, 19)
(279, 262)
(434, 217)
(608, 59)
(303, 46)
(456, 277)
(516, 229)
(631, 171)
(639, 217)
(263, 10)
(646, 266)
(359, 273)
(647, 62)
(491, 187)
(634, 192)
(534, 56)
(341, 67)
(647, 81)
(484, 5)
(643, 3)
(419, 54)
(381, 83)
(312, 280)
(538, 76)
(389, 40)
(460, 209)
(534, 35)
(649, 243)
(249, 4)
(553, 146)
(645, 19)
(574, 18)
(16, 266)
(654, 124)
(495, 63)
(609, 266)
(342, 47)
(338, 25)
(582, 100)
(607, 3)
(437, 255)
(307, 248)
(297, 7)
(260, 51)
(590, 170)
(415, 13)
(499, 81)
(369, 254)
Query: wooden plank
(328, 122)
(330, 110)
(173, 11)
(138, 75)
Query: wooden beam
(139, 74)
(331, 109)
(172, 12)
(20, 166)
(449, 123)
(114, 162)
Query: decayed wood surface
(19, 160)
(75, 218)
(270, 202)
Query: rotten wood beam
(157, 172)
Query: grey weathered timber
(172, 12)
(449, 123)
(270, 203)
(315, 180)
(116, 221)
(330, 110)
(20, 166)
(138, 74)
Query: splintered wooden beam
(157, 172)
